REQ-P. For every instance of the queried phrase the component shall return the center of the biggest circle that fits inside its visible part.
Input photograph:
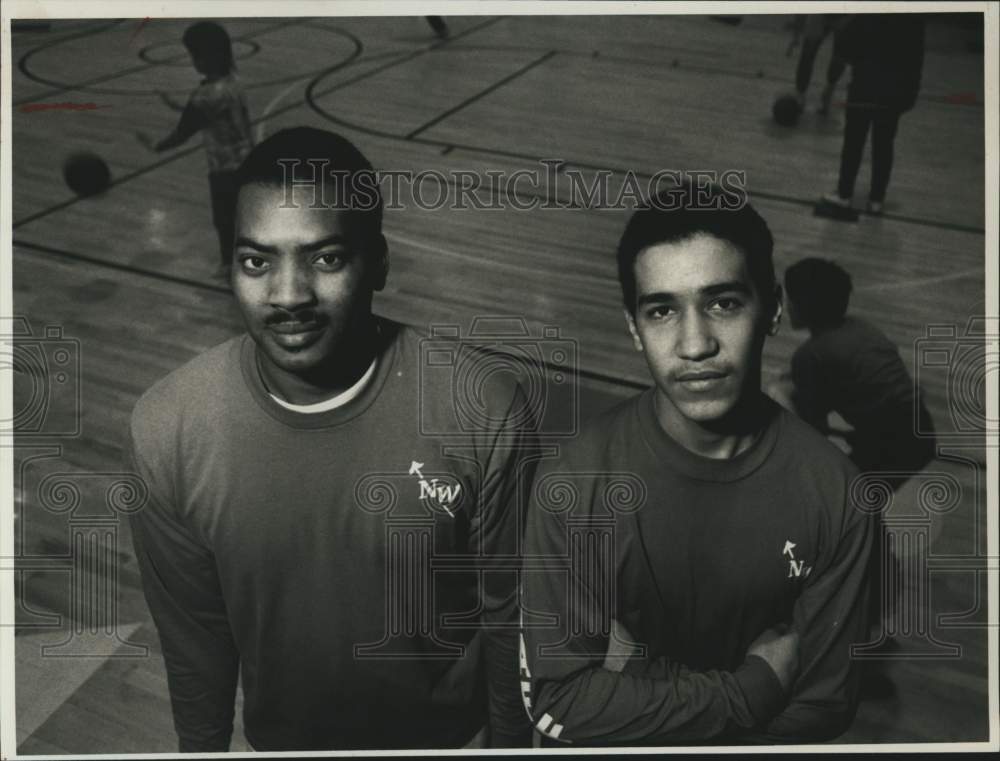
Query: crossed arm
(575, 698)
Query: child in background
(850, 367)
(217, 108)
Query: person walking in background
(816, 29)
(886, 54)
(217, 108)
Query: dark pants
(816, 31)
(223, 189)
(883, 123)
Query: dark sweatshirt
(695, 557)
(853, 369)
(886, 53)
(301, 550)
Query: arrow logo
(441, 494)
(789, 544)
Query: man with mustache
(717, 601)
(296, 501)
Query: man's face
(301, 276)
(700, 322)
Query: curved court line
(346, 61)
(86, 86)
(53, 43)
(326, 72)
(266, 113)
(169, 60)
(922, 281)
(451, 145)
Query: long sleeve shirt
(334, 560)
(695, 557)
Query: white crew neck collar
(344, 397)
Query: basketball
(86, 174)
(786, 110)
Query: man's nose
(291, 287)
(696, 340)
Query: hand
(145, 140)
(779, 646)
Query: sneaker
(875, 207)
(833, 206)
(834, 199)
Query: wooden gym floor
(127, 274)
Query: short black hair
(306, 155)
(210, 41)
(820, 290)
(664, 220)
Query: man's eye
(254, 264)
(659, 312)
(726, 304)
(330, 262)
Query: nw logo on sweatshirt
(796, 568)
(437, 491)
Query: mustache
(303, 317)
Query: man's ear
(380, 263)
(772, 328)
(636, 340)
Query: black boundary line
(87, 85)
(322, 74)
(226, 291)
(452, 145)
(305, 21)
(108, 264)
(596, 55)
(481, 94)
